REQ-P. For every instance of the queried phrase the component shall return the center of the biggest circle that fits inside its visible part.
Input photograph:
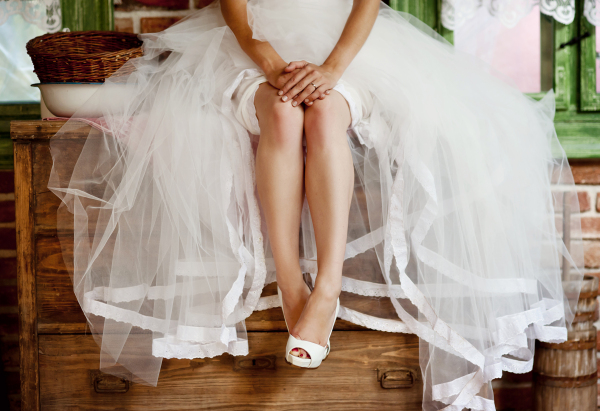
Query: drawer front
(59, 312)
(366, 370)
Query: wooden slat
(28, 338)
(35, 129)
(347, 380)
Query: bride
(259, 140)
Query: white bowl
(64, 99)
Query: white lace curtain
(43, 13)
(510, 12)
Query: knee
(319, 120)
(280, 122)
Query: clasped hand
(302, 82)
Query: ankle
(291, 289)
(329, 290)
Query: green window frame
(569, 70)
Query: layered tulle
(455, 225)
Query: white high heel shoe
(317, 352)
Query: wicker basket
(81, 56)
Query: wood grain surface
(26, 287)
(347, 380)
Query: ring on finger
(314, 85)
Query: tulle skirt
(455, 230)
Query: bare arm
(357, 29)
(261, 52)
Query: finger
(304, 94)
(295, 65)
(293, 81)
(303, 88)
(325, 94)
(284, 78)
(316, 94)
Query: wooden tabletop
(44, 129)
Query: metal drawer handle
(398, 378)
(108, 384)
(266, 362)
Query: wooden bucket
(565, 375)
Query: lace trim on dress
(173, 348)
(455, 12)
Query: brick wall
(150, 16)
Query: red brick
(129, 5)
(598, 202)
(584, 201)
(8, 268)
(156, 24)
(591, 256)
(586, 171)
(7, 211)
(203, 3)
(590, 227)
(7, 181)
(8, 239)
(124, 24)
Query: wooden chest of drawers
(367, 370)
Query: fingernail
(284, 98)
(280, 92)
(306, 100)
(294, 104)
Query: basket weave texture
(81, 56)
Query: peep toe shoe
(317, 352)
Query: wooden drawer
(350, 378)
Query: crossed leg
(280, 183)
(329, 182)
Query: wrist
(269, 66)
(334, 69)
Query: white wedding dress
(455, 225)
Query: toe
(300, 353)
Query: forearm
(262, 53)
(355, 33)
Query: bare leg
(280, 182)
(329, 187)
